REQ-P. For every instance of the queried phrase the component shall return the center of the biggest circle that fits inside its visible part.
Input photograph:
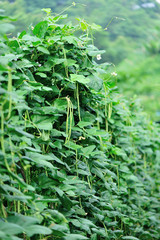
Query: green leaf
(60, 104)
(86, 222)
(42, 75)
(59, 17)
(43, 50)
(59, 161)
(22, 198)
(130, 238)
(39, 159)
(40, 29)
(3, 68)
(80, 211)
(14, 238)
(72, 145)
(88, 150)
(74, 237)
(57, 216)
(82, 124)
(24, 63)
(94, 236)
(79, 78)
(10, 228)
(57, 61)
(31, 39)
(59, 230)
(76, 222)
(19, 130)
(66, 202)
(47, 200)
(22, 220)
(98, 172)
(21, 182)
(70, 39)
(96, 132)
(30, 76)
(22, 34)
(100, 232)
(74, 180)
(95, 53)
(6, 188)
(7, 58)
(95, 83)
(37, 229)
(84, 26)
(96, 27)
(70, 62)
(43, 122)
(47, 10)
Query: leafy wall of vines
(77, 160)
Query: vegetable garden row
(78, 161)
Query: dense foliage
(128, 25)
(77, 160)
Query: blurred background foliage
(130, 37)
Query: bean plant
(78, 160)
